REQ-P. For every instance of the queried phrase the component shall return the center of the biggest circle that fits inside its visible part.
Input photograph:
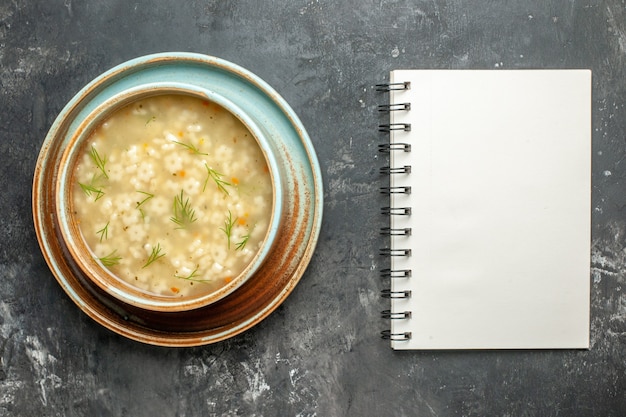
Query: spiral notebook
(490, 209)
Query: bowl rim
(79, 250)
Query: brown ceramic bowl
(84, 256)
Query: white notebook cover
(501, 208)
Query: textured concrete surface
(320, 353)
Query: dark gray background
(320, 353)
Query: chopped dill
(111, 259)
(148, 197)
(191, 147)
(154, 255)
(104, 232)
(242, 244)
(92, 191)
(217, 177)
(184, 215)
(140, 203)
(228, 226)
(98, 160)
(192, 276)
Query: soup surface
(173, 195)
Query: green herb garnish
(154, 255)
(184, 215)
(192, 276)
(92, 191)
(98, 160)
(242, 244)
(190, 147)
(111, 259)
(152, 119)
(228, 226)
(217, 177)
(104, 232)
(140, 203)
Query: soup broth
(173, 195)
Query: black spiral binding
(397, 170)
(394, 126)
(386, 87)
(395, 211)
(395, 190)
(389, 147)
(387, 335)
(395, 252)
(386, 108)
(395, 273)
(406, 231)
(388, 314)
(387, 293)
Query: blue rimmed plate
(290, 255)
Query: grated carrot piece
(175, 290)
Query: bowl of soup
(169, 196)
(177, 199)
